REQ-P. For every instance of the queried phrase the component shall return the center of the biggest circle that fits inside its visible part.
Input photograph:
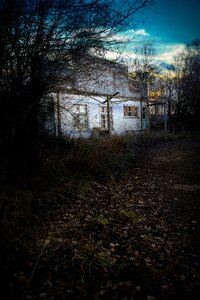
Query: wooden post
(165, 118)
(107, 101)
(108, 113)
(141, 115)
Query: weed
(92, 260)
(101, 220)
(124, 215)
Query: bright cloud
(168, 52)
(141, 32)
(113, 55)
(135, 33)
(118, 38)
(129, 35)
(123, 56)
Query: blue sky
(175, 21)
(171, 24)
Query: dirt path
(135, 237)
(180, 162)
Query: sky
(171, 24)
(176, 21)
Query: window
(79, 113)
(130, 111)
(104, 117)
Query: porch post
(141, 116)
(108, 113)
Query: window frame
(129, 113)
(80, 119)
(103, 113)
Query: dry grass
(64, 169)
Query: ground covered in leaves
(136, 236)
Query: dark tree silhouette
(38, 39)
(188, 87)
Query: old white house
(99, 97)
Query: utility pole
(108, 110)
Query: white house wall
(121, 124)
(92, 82)
(93, 114)
(124, 124)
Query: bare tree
(39, 40)
(168, 97)
(188, 86)
(191, 87)
(144, 68)
(144, 65)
